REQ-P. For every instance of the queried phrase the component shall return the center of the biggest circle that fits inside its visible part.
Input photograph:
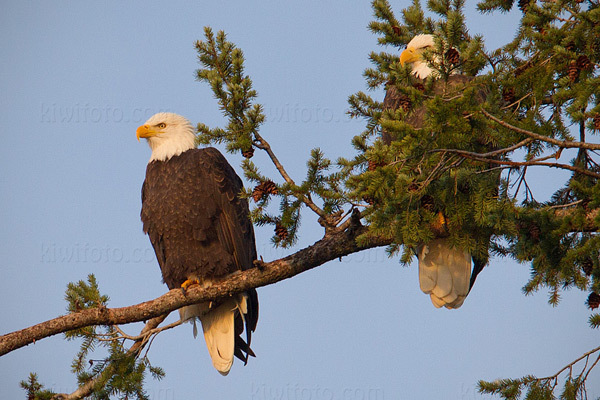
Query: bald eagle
(200, 230)
(444, 271)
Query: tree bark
(331, 247)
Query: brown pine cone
(248, 153)
(281, 231)
(573, 71)
(413, 186)
(264, 189)
(427, 202)
(587, 266)
(269, 187)
(452, 56)
(534, 232)
(508, 95)
(419, 86)
(369, 200)
(524, 5)
(583, 62)
(570, 46)
(597, 122)
(404, 102)
(593, 301)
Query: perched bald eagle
(444, 271)
(200, 230)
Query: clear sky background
(78, 77)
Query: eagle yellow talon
(189, 282)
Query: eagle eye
(162, 125)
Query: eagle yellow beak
(145, 131)
(409, 56)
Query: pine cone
(281, 231)
(269, 187)
(597, 122)
(570, 46)
(264, 189)
(248, 153)
(452, 56)
(413, 186)
(573, 71)
(369, 200)
(397, 30)
(508, 95)
(427, 202)
(583, 62)
(404, 102)
(587, 266)
(419, 86)
(593, 301)
(534, 232)
(524, 5)
(373, 165)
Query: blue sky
(79, 77)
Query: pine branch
(150, 329)
(566, 144)
(264, 145)
(479, 157)
(329, 248)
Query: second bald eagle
(444, 271)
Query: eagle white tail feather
(444, 273)
(218, 325)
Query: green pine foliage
(34, 389)
(222, 68)
(118, 372)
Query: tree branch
(87, 388)
(484, 158)
(264, 145)
(560, 143)
(329, 248)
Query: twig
(536, 136)
(264, 145)
(570, 365)
(479, 157)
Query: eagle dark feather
(199, 226)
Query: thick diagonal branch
(329, 248)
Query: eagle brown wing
(198, 224)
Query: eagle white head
(414, 55)
(168, 135)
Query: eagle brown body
(444, 271)
(200, 230)
(196, 221)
